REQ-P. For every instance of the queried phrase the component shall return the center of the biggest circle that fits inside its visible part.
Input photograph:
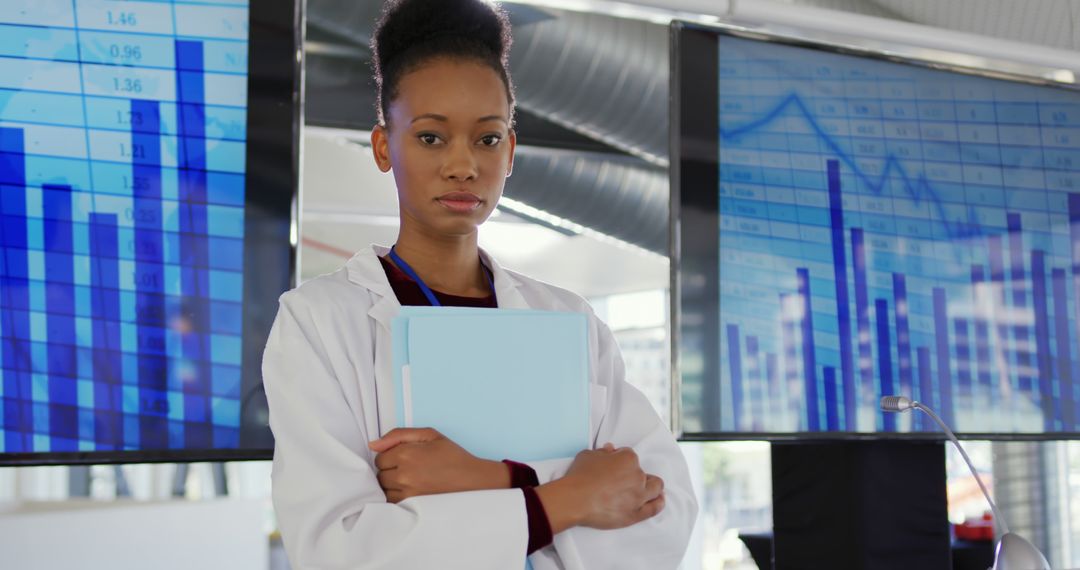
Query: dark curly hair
(411, 33)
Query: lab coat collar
(364, 269)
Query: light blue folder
(503, 384)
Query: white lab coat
(329, 383)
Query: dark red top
(521, 476)
(409, 293)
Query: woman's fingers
(651, 508)
(388, 480)
(398, 436)
(654, 487)
(654, 500)
(384, 461)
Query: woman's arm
(579, 499)
(330, 508)
(603, 488)
(421, 461)
(629, 420)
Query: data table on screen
(122, 170)
(893, 229)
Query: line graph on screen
(891, 229)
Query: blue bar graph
(862, 311)
(926, 386)
(735, 361)
(1043, 356)
(1064, 366)
(997, 288)
(788, 334)
(61, 368)
(963, 360)
(1074, 239)
(754, 379)
(982, 337)
(943, 401)
(884, 231)
(1019, 299)
(813, 409)
(952, 368)
(149, 277)
(15, 288)
(105, 315)
(881, 308)
(122, 227)
(843, 316)
(772, 376)
(1069, 390)
(832, 419)
(903, 334)
(194, 245)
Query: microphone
(895, 404)
(1013, 552)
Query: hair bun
(412, 32)
(408, 23)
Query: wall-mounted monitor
(148, 165)
(849, 225)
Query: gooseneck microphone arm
(902, 404)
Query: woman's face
(449, 145)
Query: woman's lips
(459, 201)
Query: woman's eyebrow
(444, 119)
(430, 116)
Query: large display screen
(876, 227)
(127, 325)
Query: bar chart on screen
(891, 229)
(122, 156)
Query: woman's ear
(513, 144)
(380, 147)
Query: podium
(855, 505)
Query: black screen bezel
(694, 208)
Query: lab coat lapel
(506, 285)
(366, 270)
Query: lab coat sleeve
(330, 508)
(629, 420)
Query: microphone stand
(1013, 551)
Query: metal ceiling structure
(597, 84)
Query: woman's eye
(491, 140)
(428, 138)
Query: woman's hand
(421, 461)
(605, 489)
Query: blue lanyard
(423, 286)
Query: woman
(350, 490)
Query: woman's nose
(460, 164)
